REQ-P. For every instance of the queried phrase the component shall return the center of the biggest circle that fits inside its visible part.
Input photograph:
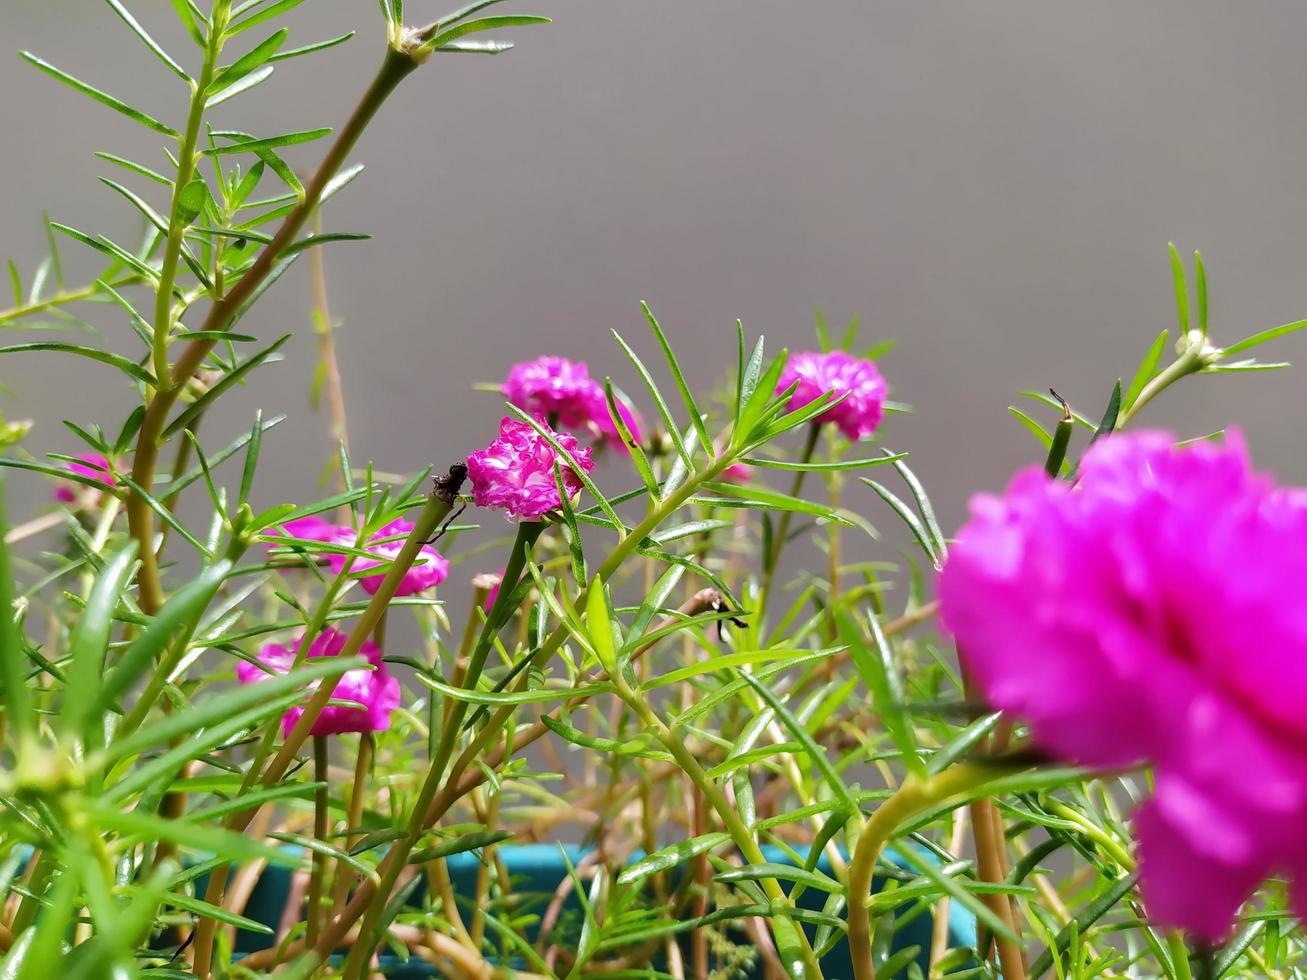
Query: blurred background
(992, 185)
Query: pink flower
(736, 472)
(90, 465)
(490, 582)
(1156, 612)
(310, 529)
(375, 691)
(304, 529)
(859, 412)
(429, 569)
(563, 392)
(601, 419)
(553, 387)
(516, 471)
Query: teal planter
(538, 868)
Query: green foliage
(646, 639)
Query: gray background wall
(993, 184)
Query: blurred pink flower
(516, 471)
(429, 569)
(859, 412)
(563, 392)
(305, 529)
(376, 691)
(554, 387)
(601, 419)
(1156, 612)
(491, 582)
(310, 529)
(736, 473)
(90, 465)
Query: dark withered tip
(447, 487)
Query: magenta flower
(305, 529)
(491, 582)
(90, 465)
(553, 387)
(516, 471)
(563, 392)
(1156, 612)
(310, 529)
(601, 419)
(736, 472)
(859, 412)
(429, 569)
(374, 691)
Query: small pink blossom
(310, 529)
(736, 473)
(90, 465)
(1156, 612)
(553, 387)
(428, 570)
(375, 691)
(859, 412)
(601, 419)
(516, 471)
(491, 583)
(564, 392)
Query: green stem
(361, 952)
(394, 69)
(481, 900)
(328, 362)
(913, 797)
(835, 485)
(311, 630)
(771, 561)
(459, 668)
(63, 298)
(318, 873)
(527, 533)
(368, 897)
(791, 943)
(187, 158)
(1189, 362)
(36, 884)
(1179, 955)
(439, 503)
(1095, 833)
(168, 662)
(1175, 943)
(611, 564)
(353, 815)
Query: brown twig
(939, 935)
(992, 860)
(702, 872)
(37, 525)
